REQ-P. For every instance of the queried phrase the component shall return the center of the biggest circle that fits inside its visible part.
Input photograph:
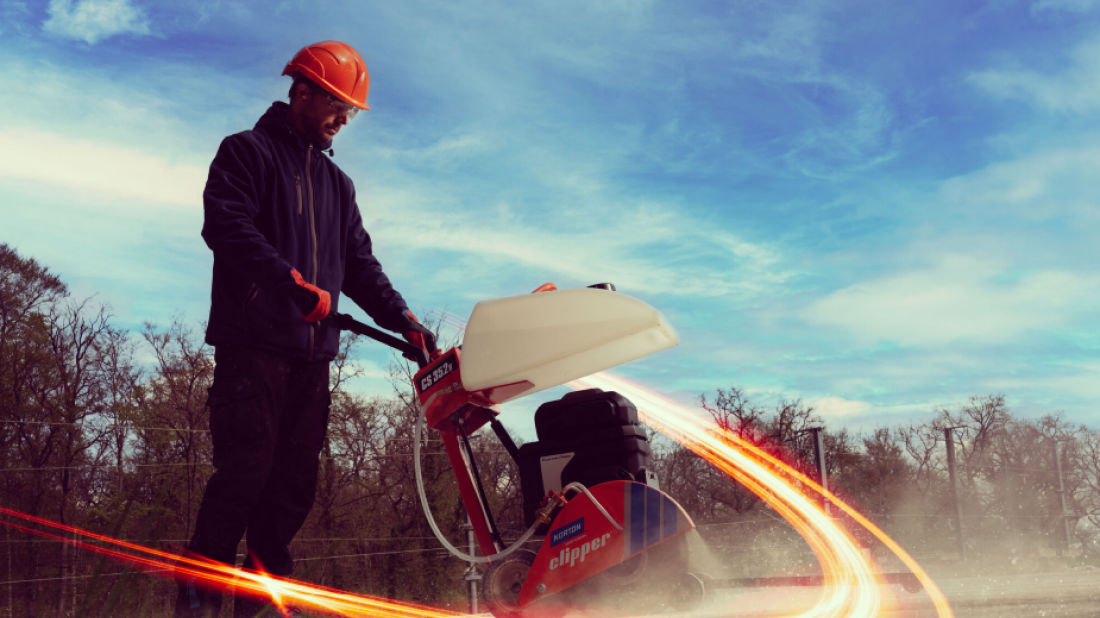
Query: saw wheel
(689, 593)
(501, 583)
(624, 574)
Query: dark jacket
(273, 201)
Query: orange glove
(419, 336)
(314, 302)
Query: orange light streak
(219, 577)
(850, 589)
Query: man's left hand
(416, 334)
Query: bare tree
(174, 398)
(1086, 460)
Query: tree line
(1009, 493)
(106, 430)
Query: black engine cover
(589, 437)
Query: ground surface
(1059, 595)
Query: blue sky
(878, 208)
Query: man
(287, 237)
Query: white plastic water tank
(551, 338)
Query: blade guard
(552, 337)
(582, 542)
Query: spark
(850, 589)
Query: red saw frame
(456, 413)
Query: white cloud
(860, 138)
(591, 242)
(1037, 186)
(444, 151)
(13, 14)
(1076, 379)
(93, 20)
(164, 108)
(57, 161)
(831, 407)
(1071, 6)
(122, 144)
(835, 122)
(1075, 89)
(960, 298)
(854, 131)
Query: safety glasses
(344, 109)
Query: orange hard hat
(336, 67)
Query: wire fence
(438, 550)
(726, 549)
(108, 428)
(210, 464)
(1003, 524)
(76, 577)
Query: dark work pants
(268, 418)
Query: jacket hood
(275, 122)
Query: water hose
(594, 501)
(457, 553)
(504, 552)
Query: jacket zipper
(298, 187)
(251, 295)
(312, 240)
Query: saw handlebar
(408, 350)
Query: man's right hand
(314, 302)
